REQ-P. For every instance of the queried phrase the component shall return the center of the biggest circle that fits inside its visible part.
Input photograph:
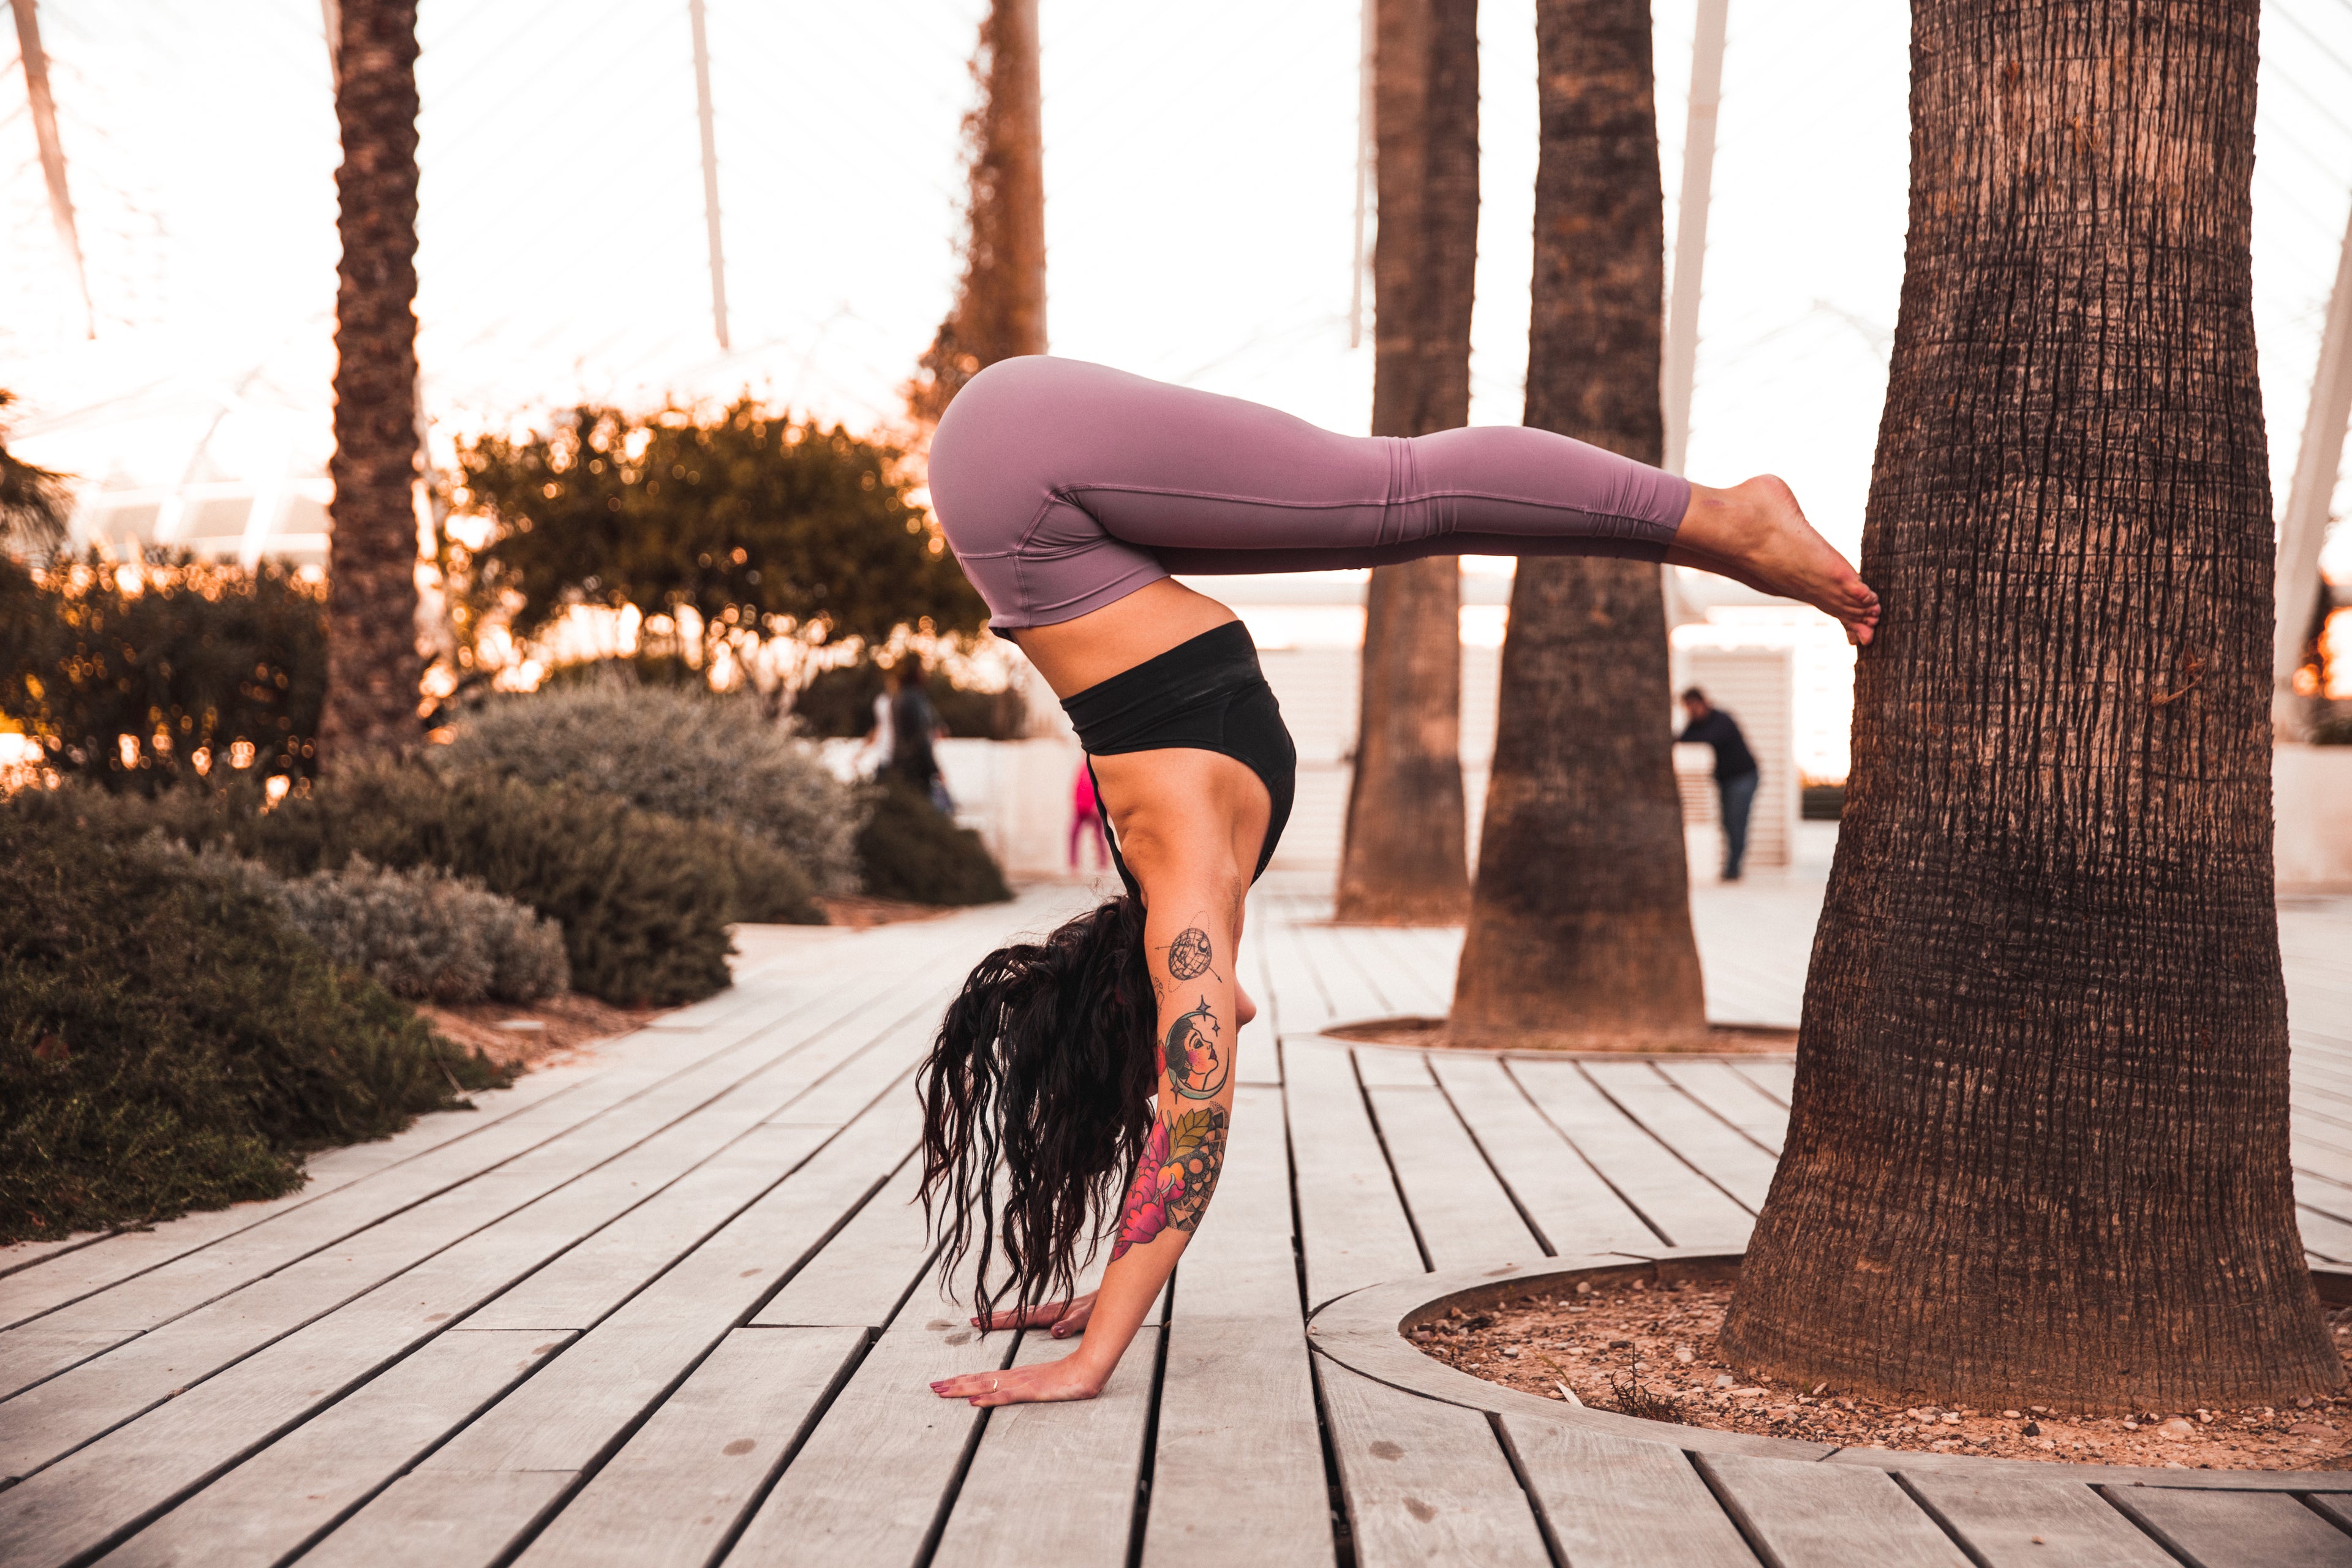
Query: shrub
(910, 851)
(674, 750)
(200, 667)
(168, 1042)
(643, 900)
(421, 932)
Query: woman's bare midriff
(1087, 651)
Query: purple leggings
(1065, 485)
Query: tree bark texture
(373, 668)
(1580, 924)
(1000, 308)
(2039, 1144)
(1405, 856)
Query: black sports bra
(1204, 695)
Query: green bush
(421, 933)
(643, 900)
(197, 664)
(168, 1042)
(909, 851)
(671, 750)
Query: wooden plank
(318, 1260)
(2324, 1235)
(1608, 1502)
(1735, 1100)
(868, 1486)
(1257, 1061)
(867, 1270)
(2010, 1521)
(826, 1087)
(430, 1521)
(1300, 1005)
(109, 1260)
(203, 1275)
(1425, 1482)
(502, 1223)
(1237, 1478)
(1355, 1231)
(1389, 1067)
(18, 1255)
(188, 1437)
(1816, 1516)
(568, 1417)
(1681, 1123)
(416, 1193)
(1093, 1452)
(1242, 1261)
(76, 1504)
(2235, 1529)
(677, 1491)
(589, 1280)
(1672, 1198)
(1355, 995)
(1574, 1210)
(267, 1507)
(1461, 1211)
(1777, 1078)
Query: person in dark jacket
(914, 725)
(1735, 773)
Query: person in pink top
(1085, 819)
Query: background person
(914, 725)
(1735, 773)
(1085, 819)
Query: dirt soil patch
(1430, 1034)
(567, 1025)
(1649, 1351)
(861, 912)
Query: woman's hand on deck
(1065, 1318)
(1072, 1377)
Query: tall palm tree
(2039, 1144)
(1580, 927)
(373, 668)
(1404, 859)
(1000, 308)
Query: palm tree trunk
(1405, 861)
(2038, 1146)
(1580, 926)
(1000, 308)
(373, 668)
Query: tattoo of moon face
(1190, 953)
(1195, 1058)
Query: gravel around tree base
(1650, 1352)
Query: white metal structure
(2303, 529)
(1690, 227)
(709, 172)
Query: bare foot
(1756, 534)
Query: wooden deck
(670, 1307)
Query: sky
(1200, 188)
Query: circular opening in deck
(1636, 1339)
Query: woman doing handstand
(1071, 493)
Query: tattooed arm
(1199, 1022)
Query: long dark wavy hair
(1044, 1064)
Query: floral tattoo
(1174, 1177)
